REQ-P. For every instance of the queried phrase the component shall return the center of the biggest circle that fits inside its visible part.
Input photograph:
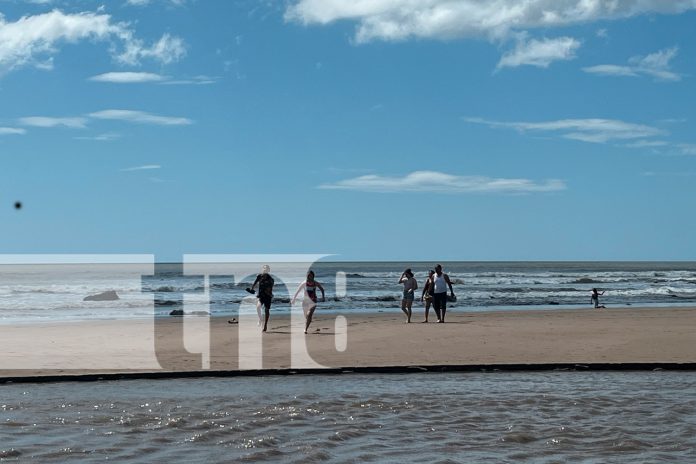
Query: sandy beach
(655, 335)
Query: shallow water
(453, 417)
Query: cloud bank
(82, 122)
(656, 65)
(540, 53)
(438, 182)
(33, 40)
(12, 131)
(145, 167)
(140, 117)
(392, 20)
(45, 121)
(585, 130)
(127, 77)
(167, 49)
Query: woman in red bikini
(309, 304)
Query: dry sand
(654, 335)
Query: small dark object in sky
(18, 205)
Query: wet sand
(177, 344)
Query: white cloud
(667, 147)
(438, 182)
(147, 2)
(146, 77)
(647, 144)
(12, 131)
(140, 117)
(21, 41)
(540, 53)
(105, 137)
(32, 40)
(145, 167)
(128, 77)
(195, 80)
(586, 130)
(444, 19)
(167, 49)
(687, 148)
(656, 65)
(610, 70)
(670, 174)
(132, 116)
(45, 121)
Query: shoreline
(615, 338)
(284, 311)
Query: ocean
(32, 293)
(540, 417)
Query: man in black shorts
(265, 295)
(440, 282)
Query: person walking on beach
(440, 283)
(265, 294)
(309, 303)
(594, 299)
(410, 286)
(427, 295)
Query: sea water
(36, 294)
(541, 417)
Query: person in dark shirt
(440, 283)
(265, 294)
(594, 299)
(427, 296)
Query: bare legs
(428, 303)
(258, 311)
(406, 308)
(266, 316)
(308, 308)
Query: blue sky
(380, 130)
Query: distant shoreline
(282, 310)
